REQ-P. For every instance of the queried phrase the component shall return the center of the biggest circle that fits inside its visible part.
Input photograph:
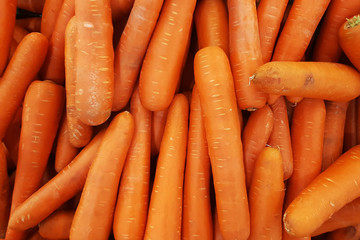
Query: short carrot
(5, 194)
(157, 130)
(57, 225)
(350, 128)
(94, 214)
(35, 6)
(50, 14)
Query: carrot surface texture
(5, 194)
(57, 225)
(223, 134)
(50, 14)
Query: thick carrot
(95, 55)
(78, 132)
(94, 214)
(7, 23)
(132, 203)
(334, 132)
(35, 6)
(121, 8)
(161, 69)
(245, 52)
(65, 185)
(132, 47)
(348, 233)
(157, 130)
(31, 24)
(254, 137)
(326, 194)
(5, 194)
(49, 16)
(197, 217)
(327, 47)
(266, 195)
(212, 27)
(165, 209)
(309, 79)
(218, 102)
(270, 14)
(20, 72)
(349, 33)
(57, 225)
(350, 129)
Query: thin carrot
(132, 47)
(31, 24)
(350, 129)
(197, 217)
(7, 23)
(20, 72)
(218, 102)
(5, 194)
(49, 16)
(157, 130)
(95, 55)
(266, 195)
(348, 233)
(94, 214)
(121, 8)
(163, 62)
(245, 52)
(309, 79)
(133, 197)
(35, 6)
(65, 185)
(255, 136)
(57, 225)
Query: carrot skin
(57, 225)
(5, 196)
(50, 14)
(350, 128)
(32, 24)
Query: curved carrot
(218, 102)
(132, 203)
(157, 130)
(326, 194)
(245, 52)
(65, 185)
(132, 47)
(57, 225)
(31, 24)
(309, 79)
(254, 137)
(49, 16)
(161, 69)
(95, 55)
(197, 218)
(5, 196)
(35, 6)
(350, 126)
(212, 27)
(94, 214)
(349, 32)
(121, 8)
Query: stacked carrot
(180, 119)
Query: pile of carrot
(180, 119)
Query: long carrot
(12, 138)
(350, 128)
(94, 214)
(161, 69)
(309, 79)
(349, 32)
(132, 203)
(326, 194)
(95, 55)
(197, 218)
(65, 185)
(5, 194)
(35, 6)
(57, 225)
(132, 47)
(218, 102)
(157, 130)
(245, 52)
(49, 16)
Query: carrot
(166, 53)
(280, 135)
(5, 194)
(327, 47)
(245, 52)
(57, 225)
(78, 132)
(132, 47)
(218, 102)
(334, 132)
(266, 195)
(35, 6)
(157, 130)
(349, 33)
(350, 128)
(132, 203)
(217, 232)
(53, 67)
(36, 236)
(49, 16)
(94, 214)
(254, 137)
(121, 8)
(19, 33)
(7, 23)
(329, 192)
(197, 217)
(309, 79)
(31, 24)
(20, 72)
(270, 14)
(349, 233)
(95, 55)
(12, 138)
(357, 117)
(212, 27)
(65, 151)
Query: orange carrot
(121, 8)
(35, 6)
(197, 218)
(31, 24)
(350, 127)
(348, 233)
(165, 209)
(132, 47)
(157, 130)
(50, 14)
(95, 55)
(57, 225)
(245, 52)
(19, 33)
(357, 120)
(217, 232)
(12, 138)
(255, 136)
(218, 102)
(132, 203)
(309, 79)
(94, 214)
(161, 69)
(5, 196)
(349, 33)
